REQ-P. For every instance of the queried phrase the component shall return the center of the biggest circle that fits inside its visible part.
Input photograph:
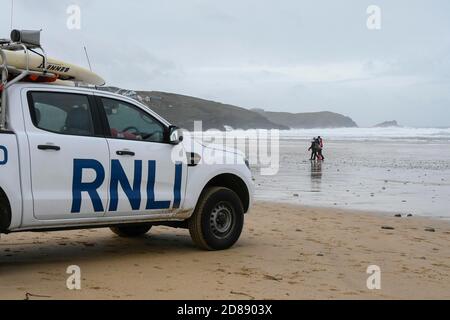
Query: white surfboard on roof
(64, 70)
(30, 60)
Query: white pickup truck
(74, 158)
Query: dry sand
(286, 252)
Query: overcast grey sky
(285, 55)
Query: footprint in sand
(273, 278)
(87, 244)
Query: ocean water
(392, 170)
(372, 134)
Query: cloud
(294, 55)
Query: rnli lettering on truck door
(132, 189)
(3, 155)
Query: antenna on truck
(88, 61)
(87, 58)
(12, 14)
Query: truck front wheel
(132, 230)
(218, 219)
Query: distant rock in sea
(387, 124)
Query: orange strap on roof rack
(40, 78)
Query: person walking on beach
(313, 148)
(316, 149)
(319, 151)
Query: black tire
(4, 217)
(132, 230)
(5, 213)
(218, 219)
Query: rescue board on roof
(63, 70)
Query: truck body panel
(10, 175)
(55, 178)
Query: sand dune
(286, 252)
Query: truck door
(148, 175)
(69, 156)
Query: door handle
(193, 159)
(48, 147)
(125, 153)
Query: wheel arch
(5, 212)
(234, 183)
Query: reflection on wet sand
(316, 175)
(414, 178)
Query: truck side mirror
(175, 135)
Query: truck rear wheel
(132, 230)
(218, 219)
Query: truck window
(130, 123)
(63, 113)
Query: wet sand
(286, 252)
(390, 176)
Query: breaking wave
(382, 134)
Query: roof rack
(21, 40)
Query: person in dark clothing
(313, 149)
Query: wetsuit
(313, 150)
(319, 151)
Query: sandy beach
(285, 252)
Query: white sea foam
(383, 134)
(353, 134)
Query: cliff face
(183, 110)
(309, 120)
